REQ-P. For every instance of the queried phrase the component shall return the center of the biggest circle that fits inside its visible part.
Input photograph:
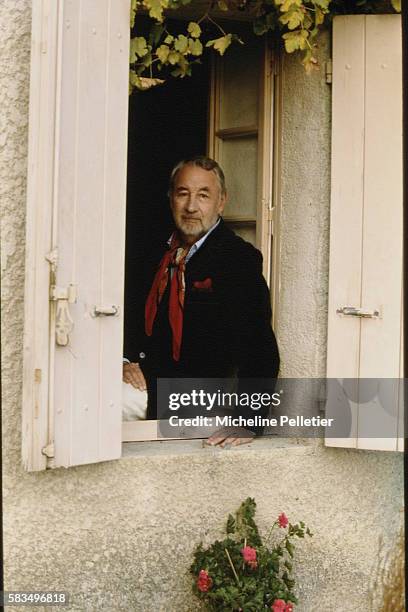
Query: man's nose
(191, 204)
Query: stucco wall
(304, 218)
(119, 535)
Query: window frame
(270, 106)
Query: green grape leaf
(156, 8)
(147, 60)
(293, 18)
(295, 40)
(133, 9)
(138, 48)
(323, 4)
(162, 53)
(396, 5)
(181, 43)
(194, 29)
(220, 44)
(319, 16)
(195, 47)
(134, 80)
(174, 57)
(287, 4)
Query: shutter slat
(35, 399)
(382, 228)
(345, 272)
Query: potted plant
(244, 572)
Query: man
(206, 304)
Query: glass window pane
(246, 232)
(239, 159)
(240, 74)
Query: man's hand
(133, 375)
(233, 436)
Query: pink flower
(283, 521)
(289, 607)
(249, 555)
(204, 581)
(278, 605)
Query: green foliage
(296, 22)
(236, 584)
(244, 525)
(220, 44)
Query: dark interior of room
(167, 123)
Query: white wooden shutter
(366, 215)
(75, 231)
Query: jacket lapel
(209, 253)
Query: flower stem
(209, 18)
(270, 532)
(232, 566)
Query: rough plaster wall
(119, 535)
(15, 32)
(304, 218)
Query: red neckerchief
(176, 255)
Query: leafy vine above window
(164, 52)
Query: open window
(224, 110)
(76, 209)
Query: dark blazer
(226, 328)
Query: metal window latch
(105, 311)
(63, 320)
(352, 311)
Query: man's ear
(223, 201)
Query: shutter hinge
(329, 71)
(64, 323)
(62, 296)
(63, 293)
(48, 450)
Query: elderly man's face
(196, 202)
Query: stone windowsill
(155, 448)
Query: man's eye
(203, 195)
